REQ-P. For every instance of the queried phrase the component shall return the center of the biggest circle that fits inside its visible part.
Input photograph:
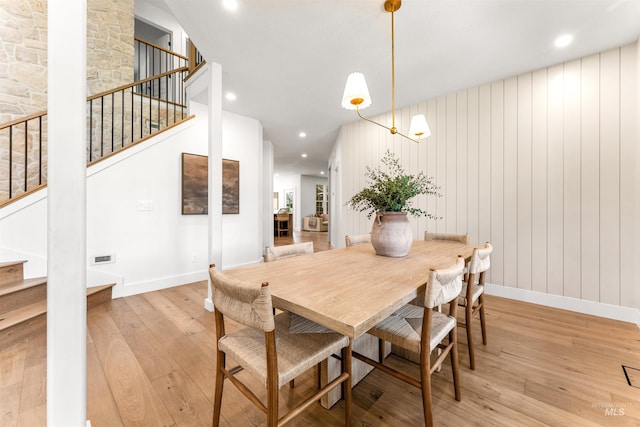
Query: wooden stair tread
(21, 285)
(95, 289)
(31, 311)
(11, 271)
(10, 263)
(22, 314)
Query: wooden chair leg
(455, 366)
(483, 323)
(425, 379)
(272, 403)
(217, 394)
(468, 314)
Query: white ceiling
(287, 60)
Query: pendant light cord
(393, 77)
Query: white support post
(66, 212)
(215, 170)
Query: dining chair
(288, 251)
(462, 238)
(282, 223)
(472, 296)
(273, 349)
(357, 239)
(423, 329)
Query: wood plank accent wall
(543, 165)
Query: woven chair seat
(404, 328)
(477, 291)
(301, 343)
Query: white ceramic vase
(391, 234)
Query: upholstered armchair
(315, 223)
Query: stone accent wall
(110, 50)
(23, 58)
(23, 76)
(23, 52)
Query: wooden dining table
(351, 289)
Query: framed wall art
(195, 177)
(230, 186)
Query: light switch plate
(145, 205)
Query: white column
(215, 170)
(638, 178)
(267, 185)
(66, 227)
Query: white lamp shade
(419, 128)
(356, 92)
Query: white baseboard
(129, 289)
(609, 311)
(229, 267)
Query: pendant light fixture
(356, 94)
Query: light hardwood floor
(150, 362)
(320, 239)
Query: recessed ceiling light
(304, 154)
(321, 172)
(302, 135)
(230, 4)
(564, 40)
(230, 96)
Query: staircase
(23, 303)
(116, 120)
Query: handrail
(151, 60)
(22, 120)
(146, 106)
(141, 82)
(195, 57)
(117, 119)
(176, 54)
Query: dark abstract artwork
(230, 186)
(194, 184)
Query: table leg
(330, 369)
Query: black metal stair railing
(151, 60)
(115, 119)
(23, 155)
(127, 114)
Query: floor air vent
(632, 375)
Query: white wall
(543, 165)
(153, 15)
(308, 193)
(638, 174)
(23, 233)
(153, 248)
(242, 233)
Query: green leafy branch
(391, 189)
